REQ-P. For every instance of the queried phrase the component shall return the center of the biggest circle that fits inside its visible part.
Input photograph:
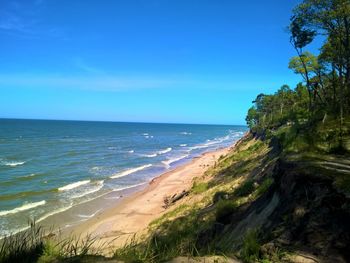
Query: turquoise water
(47, 167)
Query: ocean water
(48, 167)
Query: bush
(245, 189)
(264, 186)
(198, 188)
(224, 208)
(251, 247)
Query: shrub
(251, 247)
(245, 189)
(198, 188)
(224, 208)
(264, 186)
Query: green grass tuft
(199, 188)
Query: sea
(48, 167)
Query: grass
(26, 246)
(251, 247)
(245, 189)
(185, 230)
(224, 208)
(263, 187)
(38, 245)
(199, 188)
(170, 239)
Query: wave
(12, 163)
(73, 185)
(149, 155)
(89, 216)
(183, 145)
(131, 151)
(60, 210)
(130, 171)
(127, 187)
(96, 187)
(22, 208)
(170, 161)
(198, 147)
(186, 133)
(165, 150)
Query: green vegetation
(251, 246)
(317, 110)
(245, 188)
(198, 188)
(38, 245)
(308, 124)
(224, 208)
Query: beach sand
(133, 213)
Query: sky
(171, 61)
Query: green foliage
(26, 246)
(251, 247)
(198, 188)
(37, 245)
(170, 239)
(223, 209)
(245, 189)
(264, 186)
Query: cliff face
(259, 204)
(302, 213)
(305, 212)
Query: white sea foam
(149, 155)
(29, 175)
(89, 216)
(73, 185)
(183, 145)
(170, 161)
(12, 164)
(127, 187)
(165, 150)
(60, 210)
(131, 151)
(198, 147)
(24, 207)
(130, 171)
(186, 133)
(94, 188)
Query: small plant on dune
(264, 186)
(251, 247)
(245, 189)
(38, 245)
(224, 208)
(26, 246)
(198, 188)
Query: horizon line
(111, 121)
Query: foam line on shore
(130, 171)
(170, 161)
(22, 208)
(73, 185)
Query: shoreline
(132, 214)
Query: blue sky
(179, 61)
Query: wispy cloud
(82, 65)
(105, 83)
(22, 19)
(131, 82)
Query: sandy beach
(133, 214)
